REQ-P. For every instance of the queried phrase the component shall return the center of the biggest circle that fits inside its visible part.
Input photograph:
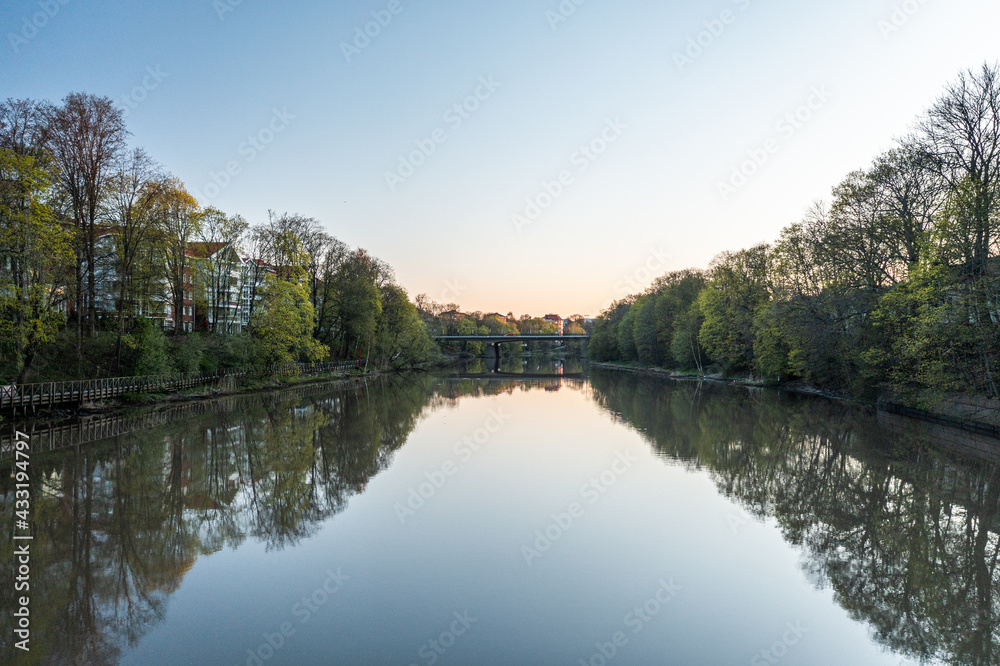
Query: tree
(255, 269)
(685, 346)
(22, 127)
(86, 134)
(738, 289)
(357, 306)
(857, 241)
(283, 325)
(644, 333)
(179, 219)
(675, 294)
(219, 269)
(402, 340)
(911, 195)
(962, 133)
(35, 253)
(604, 341)
(323, 280)
(133, 189)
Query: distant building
(219, 270)
(253, 274)
(556, 320)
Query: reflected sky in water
(496, 519)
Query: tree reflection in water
(120, 522)
(903, 531)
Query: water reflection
(904, 532)
(119, 525)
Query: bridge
(497, 340)
(500, 339)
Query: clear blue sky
(651, 200)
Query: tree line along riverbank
(888, 293)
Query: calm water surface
(493, 519)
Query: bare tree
(961, 131)
(912, 194)
(856, 239)
(86, 134)
(257, 255)
(179, 219)
(133, 190)
(22, 126)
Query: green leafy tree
(35, 253)
(402, 337)
(738, 290)
(283, 324)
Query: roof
(205, 250)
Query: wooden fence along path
(31, 397)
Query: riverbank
(973, 414)
(230, 386)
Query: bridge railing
(48, 394)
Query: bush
(144, 350)
(186, 352)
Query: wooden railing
(44, 437)
(52, 394)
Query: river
(557, 517)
